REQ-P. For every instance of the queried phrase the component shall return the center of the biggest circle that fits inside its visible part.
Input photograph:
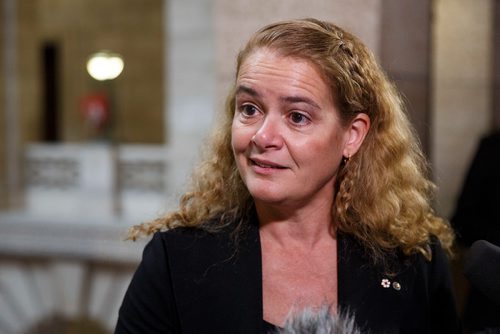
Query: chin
(268, 197)
(267, 192)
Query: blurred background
(104, 105)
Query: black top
(476, 217)
(191, 281)
(268, 328)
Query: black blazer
(476, 214)
(476, 217)
(192, 281)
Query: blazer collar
(206, 270)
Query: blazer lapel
(206, 270)
(354, 277)
(366, 291)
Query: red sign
(95, 109)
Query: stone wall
(236, 20)
(461, 84)
(77, 29)
(405, 55)
(3, 186)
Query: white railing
(97, 182)
(64, 256)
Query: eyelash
(244, 108)
(303, 116)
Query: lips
(266, 164)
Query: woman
(313, 193)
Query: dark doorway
(50, 92)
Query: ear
(356, 134)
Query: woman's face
(287, 137)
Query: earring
(346, 159)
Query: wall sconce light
(105, 65)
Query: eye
(299, 118)
(248, 110)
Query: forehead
(264, 66)
(272, 57)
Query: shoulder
(183, 242)
(193, 249)
(438, 270)
(433, 280)
(194, 239)
(435, 267)
(394, 260)
(406, 293)
(490, 145)
(212, 269)
(430, 273)
(443, 310)
(185, 269)
(183, 251)
(438, 264)
(186, 237)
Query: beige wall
(405, 56)
(29, 99)
(236, 20)
(81, 27)
(462, 90)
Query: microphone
(482, 269)
(319, 322)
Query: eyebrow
(241, 89)
(300, 99)
(247, 90)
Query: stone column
(462, 68)
(189, 73)
(405, 55)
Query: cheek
(325, 148)
(239, 140)
(234, 139)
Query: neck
(304, 226)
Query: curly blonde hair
(383, 193)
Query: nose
(268, 135)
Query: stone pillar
(3, 152)
(405, 55)
(461, 81)
(190, 87)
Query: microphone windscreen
(322, 321)
(482, 269)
